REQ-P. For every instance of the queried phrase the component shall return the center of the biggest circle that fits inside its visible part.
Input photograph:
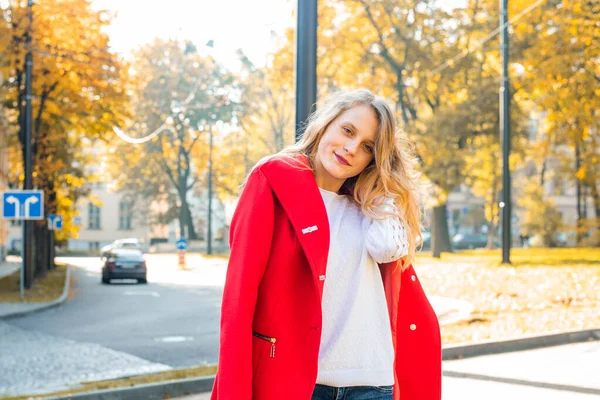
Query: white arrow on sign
(15, 201)
(28, 202)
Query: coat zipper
(268, 339)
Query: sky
(232, 24)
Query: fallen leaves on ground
(45, 289)
(543, 291)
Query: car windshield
(127, 256)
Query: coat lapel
(295, 187)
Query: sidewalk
(553, 373)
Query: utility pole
(210, 191)
(306, 63)
(505, 137)
(27, 251)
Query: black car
(129, 243)
(124, 264)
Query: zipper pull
(272, 340)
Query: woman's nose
(351, 146)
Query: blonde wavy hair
(391, 173)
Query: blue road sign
(55, 222)
(181, 244)
(23, 204)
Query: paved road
(557, 373)
(173, 320)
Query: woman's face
(346, 147)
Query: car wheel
(144, 281)
(105, 280)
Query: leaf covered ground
(543, 291)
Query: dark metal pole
(505, 136)
(28, 167)
(210, 192)
(306, 63)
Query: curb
(526, 343)
(170, 389)
(43, 306)
(153, 391)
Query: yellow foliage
(78, 92)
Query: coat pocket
(271, 340)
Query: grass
(45, 289)
(194, 372)
(543, 291)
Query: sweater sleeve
(250, 239)
(386, 239)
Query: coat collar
(293, 182)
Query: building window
(559, 186)
(125, 213)
(93, 216)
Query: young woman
(321, 301)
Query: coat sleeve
(250, 240)
(386, 239)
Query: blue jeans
(323, 392)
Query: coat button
(413, 327)
(414, 278)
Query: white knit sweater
(356, 341)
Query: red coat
(271, 312)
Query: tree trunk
(190, 223)
(40, 258)
(186, 223)
(579, 232)
(596, 199)
(182, 223)
(490, 236)
(440, 238)
(543, 173)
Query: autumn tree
(423, 56)
(561, 75)
(179, 97)
(78, 91)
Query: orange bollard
(182, 259)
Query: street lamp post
(306, 62)
(505, 136)
(27, 251)
(210, 190)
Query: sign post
(182, 247)
(23, 205)
(55, 223)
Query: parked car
(462, 241)
(125, 264)
(129, 243)
(559, 240)
(426, 240)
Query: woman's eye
(347, 130)
(368, 148)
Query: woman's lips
(341, 159)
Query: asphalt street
(173, 320)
